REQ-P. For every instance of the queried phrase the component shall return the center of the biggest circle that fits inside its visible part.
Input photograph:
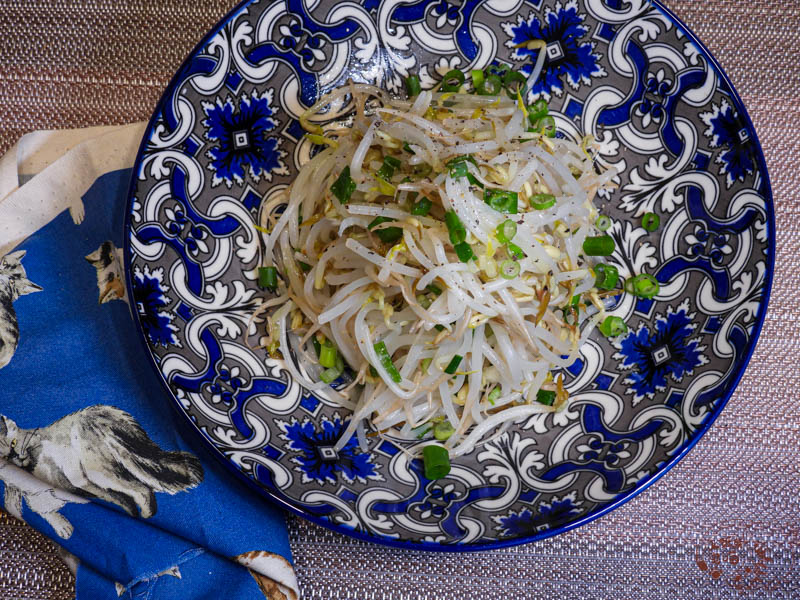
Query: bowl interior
(226, 138)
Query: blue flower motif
(240, 128)
(726, 130)
(318, 461)
(667, 351)
(562, 31)
(527, 522)
(149, 294)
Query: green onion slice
(494, 394)
(612, 327)
(515, 251)
(477, 78)
(451, 367)
(607, 276)
(490, 86)
(509, 269)
(546, 397)
(453, 81)
(515, 82)
(268, 278)
(650, 221)
(600, 245)
(436, 461)
(388, 235)
(344, 186)
(455, 227)
(506, 231)
(422, 207)
(603, 223)
(501, 200)
(543, 201)
(644, 286)
(464, 252)
(386, 361)
(413, 86)
(442, 431)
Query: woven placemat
(725, 523)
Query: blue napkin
(90, 452)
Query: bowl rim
(622, 498)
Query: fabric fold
(90, 453)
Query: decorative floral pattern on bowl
(226, 138)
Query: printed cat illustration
(13, 284)
(40, 497)
(107, 260)
(100, 452)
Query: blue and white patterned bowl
(226, 137)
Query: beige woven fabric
(725, 523)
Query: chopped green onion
(407, 148)
(390, 163)
(600, 245)
(436, 461)
(603, 223)
(644, 286)
(464, 252)
(332, 374)
(455, 227)
(458, 165)
(512, 90)
(494, 394)
(424, 301)
(386, 361)
(434, 289)
(515, 251)
(344, 186)
(650, 221)
(490, 86)
(542, 201)
(413, 86)
(612, 327)
(327, 355)
(422, 208)
(477, 78)
(426, 362)
(268, 278)
(501, 200)
(421, 431)
(537, 111)
(451, 367)
(317, 345)
(546, 397)
(506, 231)
(545, 125)
(442, 431)
(389, 235)
(453, 81)
(373, 371)
(304, 266)
(509, 269)
(499, 69)
(439, 327)
(607, 276)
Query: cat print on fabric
(107, 259)
(100, 452)
(41, 498)
(13, 284)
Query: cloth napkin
(90, 451)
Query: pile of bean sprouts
(515, 313)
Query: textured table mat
(725, 523)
